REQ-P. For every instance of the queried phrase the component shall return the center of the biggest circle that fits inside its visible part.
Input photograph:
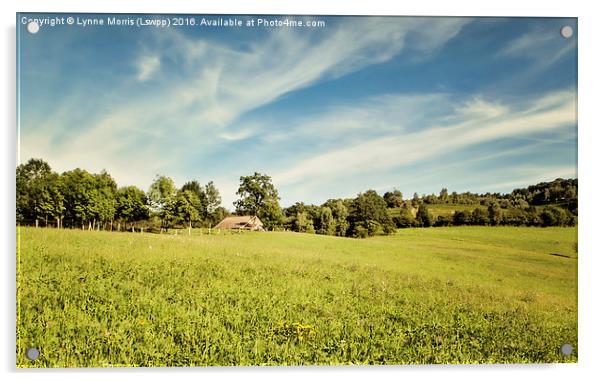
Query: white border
(589, 178)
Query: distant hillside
(551, 203)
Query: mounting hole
(32, 354)
(33, 27)
(566, 349)
(566, 31)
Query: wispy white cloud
(199, 88)
(473, 123)
(539, 49)
(530, 175)
(236, 135)
(187, 100)
(236, 81)
(147, 65)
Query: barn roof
(240, 222)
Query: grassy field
(438, 295)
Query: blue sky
(417, 104)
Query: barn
(241, 222)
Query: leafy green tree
(103, 201)
(218, 214)
(187, 205)
(406, 217)
(370, 206)
(271, 215)
(533, 216)
(462, 217)
(360, 230)
(291, 214)
(453, 198)
(79, 189)
(209, 200)
(424, 217)
(554, 216)
(443, 221)
(393, 199)
(416, 200)
(430, 199)
(38, 193)
(340, 214)
(327, 222)
(303, 224)
(131, 205)
(443, 196)
(214, 199)
(375, 228)
(28, 175)
(88, 198)
(48, 200)
(259, 197)
(199, 191)
(162, 197)
(479, 217)
(494, 213)
(195, 187)
(292, 210)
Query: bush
(554, 216)
(360, 231)
(443, 221)
(424, 217)
(479, 217)
(390, 228)
(461, 217)
(374, 228)
(405, 219)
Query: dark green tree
(219, 214)
(494, 213)
(424, 217)
(462, 217)
(443, 196)
(79, 191)
(187, 206)
(479, 217)
(444, 221)
(416, 200)
(49, 200)
(369, 208)
(131, 205)
(393, 199)
(554, 216)
(259, 197)
(406, 217)
(103, 201)
(38, 193)
(199, 191)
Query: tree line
(79, 199)
(93, 201)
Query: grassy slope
(468, 294)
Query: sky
(408, 103)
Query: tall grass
(445, 295)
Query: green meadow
(421, 296)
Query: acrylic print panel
(206, 190)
